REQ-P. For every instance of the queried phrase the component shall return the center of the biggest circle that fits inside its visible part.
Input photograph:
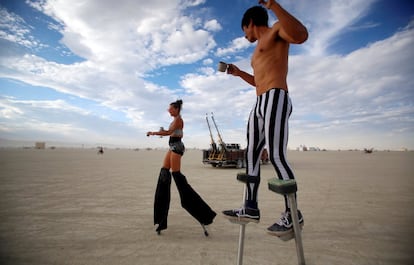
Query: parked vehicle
(223, 154)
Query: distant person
(268, 120)
(100, 150)
(190, 200)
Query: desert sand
(73, 206)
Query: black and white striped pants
(268, 126)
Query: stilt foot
(205, 230)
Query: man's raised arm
(291, 29)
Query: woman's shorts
(177, 147)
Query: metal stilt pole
(296, 229)
(241, 244)
(241, 235)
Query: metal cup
(222, 66)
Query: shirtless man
(268, 120)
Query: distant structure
(40, 145)
(302, 148)
(314, 149)
(368, 150)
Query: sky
(103, 72)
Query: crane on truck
(223, 154)
(222, 145)
(213, 145)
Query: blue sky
(103, 72)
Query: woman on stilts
(190, 200)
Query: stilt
(242, 178)
(241, 243)
(289, 188)
(205, 230)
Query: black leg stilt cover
(162, 199)
(192, 202)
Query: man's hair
(257, 14)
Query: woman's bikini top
(177, 132)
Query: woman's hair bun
(177, 104)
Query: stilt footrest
(242, 177)
(281, 186)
